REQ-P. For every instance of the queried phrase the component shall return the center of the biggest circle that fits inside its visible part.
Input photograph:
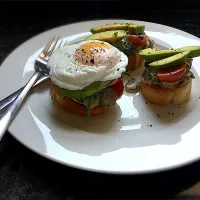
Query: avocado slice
(134, 29)
(171, 61)
(194, 50)
(108, 36)
(85, 92)
(154, 55)
(109, 27)
(130, 27)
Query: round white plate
(133, 137)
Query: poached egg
(76, 66)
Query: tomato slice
(118, 87)
(172, 74)
(137, 40)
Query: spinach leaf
(107, 97)
(89, 105)
(147, 74)
(126, 47)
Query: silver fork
(40, 66)
(7, 101)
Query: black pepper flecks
(146, 102)
(92, 60)
(117, 69)
(151, 125)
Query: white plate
(119, 141)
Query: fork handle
(7, 117)
(4, 103)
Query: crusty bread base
(135, 62)
(69, 105)
(163, 96)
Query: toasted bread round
(71, 106)
(135, 62)
(163, 96)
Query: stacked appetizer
(167, 76)
(127, 37)
(86, 77)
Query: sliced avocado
(154, 55)
(109, 27)
(135, 29)
(171, 61)
(108, 36)
(85, 92)
(130, 27)
(194, 50)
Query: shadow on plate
(98, 124)
(111, 135)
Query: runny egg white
(76, 66)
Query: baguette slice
(135, 62)
(164, 96)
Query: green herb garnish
(147, 74)
(90, 98)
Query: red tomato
(138, 40)
(118, 87)
(172, 74)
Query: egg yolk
(92, 53)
